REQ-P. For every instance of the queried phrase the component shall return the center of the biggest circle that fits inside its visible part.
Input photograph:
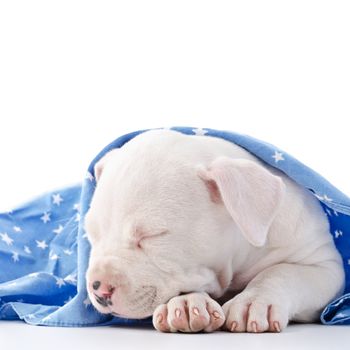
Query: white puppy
(177, 220)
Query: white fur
(175, 214)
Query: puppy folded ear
(99, 166)
(250, 193)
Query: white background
(74, 75)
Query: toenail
(195, 311)
(159, 318)
(277, 326)
(216, 314)
(233, 326)
(177, 313)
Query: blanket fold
(44, 249)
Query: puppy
(180, 225)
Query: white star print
(41, 244)
(46, 217)
(77, 217)
(85, 235)
(20, 300)
(60, 282)
(71, 278)
(53, 256)
(327, 199)
(68, 252)
(89, 176)
(15, 256)
(323, 198)
(5, 237)
(27, 250)
(76, 206)
(57, 199)
(338, 233)
(17, 229)
(335, 213)
(278, 156)
(58, 230)
(31, 316)
(199, 131)
(87, 302)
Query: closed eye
(139, 242)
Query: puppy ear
(99, 166)
(251, 194)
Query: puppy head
(159, 225)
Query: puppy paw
(254, 313)
(192, 312)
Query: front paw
(192, 312)
(254, 312)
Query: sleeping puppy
(180, 225)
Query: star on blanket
(58, 230)
(45, 218)
(278, 156)
(60, 282)
(15, 256)
(41, 244)
(57, 199)
(6, 238)
(199, 131)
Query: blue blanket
(44, 249)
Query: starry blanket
(44, 249)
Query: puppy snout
(103, 293)
(104, 289)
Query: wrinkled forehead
(139, 195)
(147, 175)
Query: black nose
(96, 285)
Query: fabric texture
(44, 249)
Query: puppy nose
(103, 289)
